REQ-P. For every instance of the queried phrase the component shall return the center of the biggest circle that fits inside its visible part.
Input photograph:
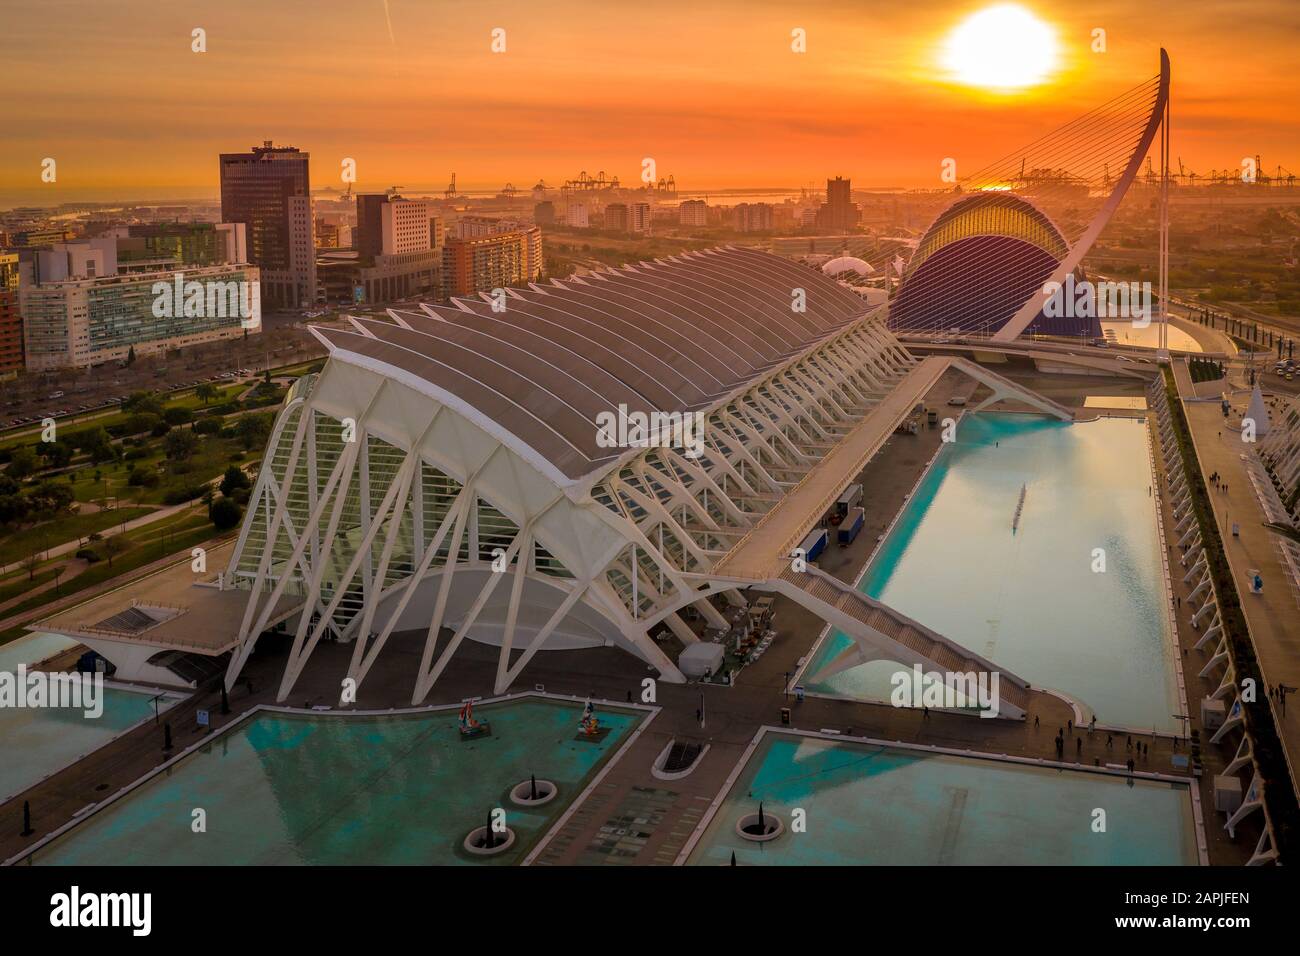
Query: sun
(1003, 48)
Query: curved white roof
(848, 264)
(673, 335)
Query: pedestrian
(1035, 721)
(1129, 744)
(1078, 746)
(1130, 764)
(1109, 741)
(1070, 724)
(925, 712)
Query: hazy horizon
(715, 96)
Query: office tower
(616, 217)
(11, 323)
(398, 247)
(80, 310)
(577, 216)
(693, 212)
(269, 190)
(638, 217)
(752, 217)
(838, 213)
(183, 243)
(482, 263)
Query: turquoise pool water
(37, 742)
(1030, 601)
(297, 789)
(868, 805)
(31, 649)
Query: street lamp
(1184, 718)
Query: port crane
(586, 183)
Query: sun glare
(1003, 48)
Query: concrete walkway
(1272, 615)
(77, 543)
(70, 570)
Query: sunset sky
(711, 91)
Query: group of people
(1221, 485)
(1137, 749)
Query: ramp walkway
(762, 558)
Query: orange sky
(710, 90)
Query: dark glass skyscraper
(269, 190)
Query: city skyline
(568, 94)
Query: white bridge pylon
(880, 632)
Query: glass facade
(428, 502)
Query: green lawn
(15, 584)
(213, 458)
(18, 544)
(297, 371)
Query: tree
(144, 403)
(225, 514)
(253, 430)
(178, 416)
(22, 463)
(57, 454)
(31, 563)
(234, 479)
(99, 446)
(180, 444)
(206, 391)
(138, 422)
(142, 477)
(111, 546)
(13, 508)
(50, 498)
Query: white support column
(362, 667)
